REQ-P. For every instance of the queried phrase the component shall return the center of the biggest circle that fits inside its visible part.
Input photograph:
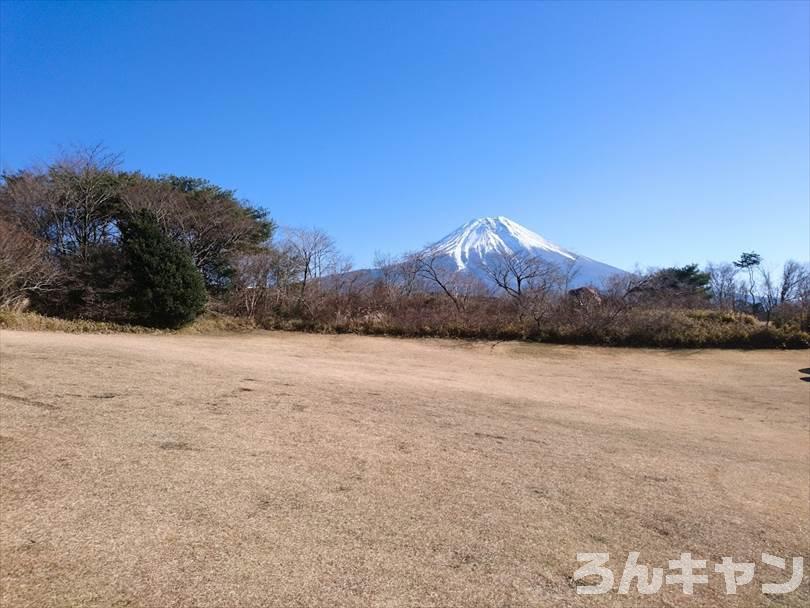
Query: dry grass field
(276, 469)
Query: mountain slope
(478, 243)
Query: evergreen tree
(166, 289)
(685, 284)
(688, 280)
(749, 261)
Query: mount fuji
(477, 244)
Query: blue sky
(648, 133)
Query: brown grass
(31, 321)
(208, 323)
(305, 470)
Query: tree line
(81, 238)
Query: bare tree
(769, 294)
(793, 274)
(70, 204)
(273, 277)
(625, 292)
(802, 299)
(781, 294)
(569, 272)
(86, 187)
(431, 267)
(514, 273)
(314, 252)
(530, 281)
(158, 196)
(25, 268)
(254, 280)
(398, 276)
(722, 284)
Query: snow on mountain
(477, 243)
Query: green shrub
(166, 289)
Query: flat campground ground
(281, 469)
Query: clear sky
(648, 133)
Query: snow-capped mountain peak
(478, 243)
(478, 238)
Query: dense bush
(165, 289)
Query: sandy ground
(278, 469)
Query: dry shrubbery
(612, 318)
(664, 328)
(31, 321)
(208, 323)
(699, 329)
